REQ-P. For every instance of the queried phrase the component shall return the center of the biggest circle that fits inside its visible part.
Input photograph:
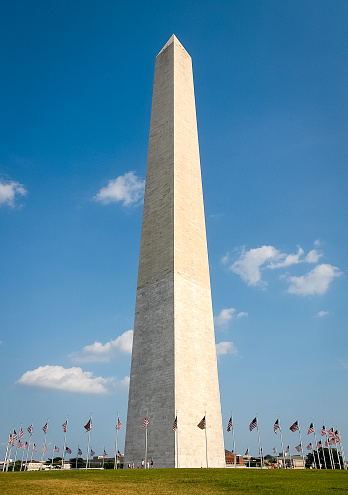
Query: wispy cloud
(251, 264)
(322, 313)
(99, 352)
(68, 379)
(344, 364)
(316, 281)
(224, 317)
(127, 188)
(10, 191)
(226, 348)
(227, 315)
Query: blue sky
(271, 84)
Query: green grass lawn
(172, 481)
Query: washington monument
(174, 369)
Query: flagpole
(338, 453)
(103, 456)
(22, 459)
(147, 413)
(115, 465)
(316, 445)
(32, 451)
(177, 443)
(44, 445)
(16, 449)
(342, 450)
(281, 440)
(258, 435)
(328, 446)
(234, 444)
(322, 448)
(206, 442)
(9, 454)
(299, 431)
(63, 453)
(89, 439)
(31, 429)
(8, 443)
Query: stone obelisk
(174, 368)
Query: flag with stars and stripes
(202, 424)
(253, 424)
(294, 426)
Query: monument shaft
(174, 369)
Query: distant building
(229, 459)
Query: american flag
(26, 445)
(88, 425)
(44, 448)
(56, 449)
(202, 424)
(44, 429)
(309, 446)
(14, 435)
(323, 431)
(294, 427)
(68, 451)
(276, 426)
(146, 422)
(229, 424)
(65, 426)
(105, 454)
(319, 444)
(79, 451)
(326, 443)
(298, 448)
(337, 437)
(274, 450)
(10, 439)
(247, 452)
(20, 444)
(30, 429)
(175, 424)
(332, 441)
(92, 452)
(21, 433)
(331, 433)
(119, 424)
(34, 448)
(310, 429)
(119, 454)
(287, 448)
(253, 424)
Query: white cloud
(127, 188)
(99, 352)
(322, 313)
(249, 263)
(316, 281)
(68, 379)
(242, 314)
(224, 317)
(125, 382)
(344, 364)
(226, 348)
(9, 192)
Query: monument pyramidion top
(172, 39)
